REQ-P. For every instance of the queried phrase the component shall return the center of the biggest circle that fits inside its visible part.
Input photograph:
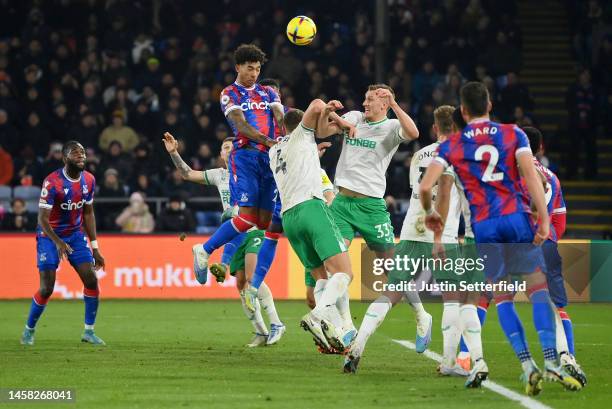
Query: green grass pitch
(173, 354)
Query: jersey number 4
(489, 175)
(281, 165)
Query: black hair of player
(69, 146)
(535, 138)
(293, 119)
(458, 119)
(270, 82)
(249, 53)
(475, 98)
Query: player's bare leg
(91, 296)
(39, 302)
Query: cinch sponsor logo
(365, 143)
(245, 106)
(72, 206)
(478, 131)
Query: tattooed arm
(186, 172)
(237, 118)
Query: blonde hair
(443, 118)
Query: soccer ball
(301, 30)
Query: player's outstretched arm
(536, 191)
(279, 114)
(187, 173)
(433, 220)
(326, 128)
(409, 128)
(237, 118)
(63, 248)
(89, 224)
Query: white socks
(451, 331)
(318, 290)
(560, 333)
(345, 311)
(336, 286)
(255, 317)
(471, 329)
(267, 303)
(415, 303)
(342, 303)
(374, 316)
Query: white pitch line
(525, 401)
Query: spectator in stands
(502, 57)
(86, 130)
(582, 111)
(136, 218)
(36, 135)
(19, 219)
(111, 185)
(118, 132)
(9, 138)
(53, 161)
(28, 168)
(6, 167)
(144, 184)
(513, 95)
(175, 185)
(176, 217)
(116, 159)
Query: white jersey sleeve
(213, 176)
(353, 117)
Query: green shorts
(368, 216)
(251, 244)
(309, 279)
(470, 252)
(312, 232)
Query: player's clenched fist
(333, 106)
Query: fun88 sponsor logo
(245, 106)
(72, 206)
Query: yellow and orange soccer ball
(301, 30)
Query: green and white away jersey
(465, 210)
(414, 223)
(294, 161)
(364, 159)
(219, 177)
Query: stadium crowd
(116, 74)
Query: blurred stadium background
(116, 74)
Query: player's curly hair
(70, 145)
(249, 53)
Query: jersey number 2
(489, 175)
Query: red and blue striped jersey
(256, 104)
(279, 131)
(66, 198)
(555, 203)
(483, 156)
